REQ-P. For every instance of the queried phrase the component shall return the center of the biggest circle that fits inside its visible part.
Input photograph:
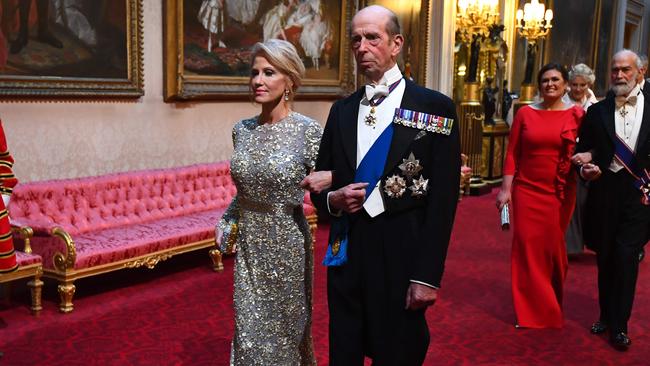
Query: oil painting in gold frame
(207, 45)
(85, 48)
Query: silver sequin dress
(274, 264)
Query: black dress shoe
(598, 328)
(621, 341)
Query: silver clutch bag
(229, 229)
(505, 217)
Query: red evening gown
(543, 196)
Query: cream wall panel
(62, 139)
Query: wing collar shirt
(367, 135)
(628, 124)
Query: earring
(286, 95)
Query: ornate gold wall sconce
(534, 24)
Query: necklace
(623, 112)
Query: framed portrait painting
(71, 48)
(208, 45)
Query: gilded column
(471, 116)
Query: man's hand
(349, 198)
(420, 296)
(590, 171)
(580, 159)
(317, 181)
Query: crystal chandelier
(475, 17)
(533, 22)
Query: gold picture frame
(413, 16)
(219, 70)
(91, 49)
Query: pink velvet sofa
(88, 226)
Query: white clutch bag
(505, 217)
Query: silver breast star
(410, 167)
(395, 186)
(419, 187)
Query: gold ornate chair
(29, 266)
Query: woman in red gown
(539, 183)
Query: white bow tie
(376, 91)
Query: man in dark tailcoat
(616, 131)
(394, 150)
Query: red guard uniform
(7, 183)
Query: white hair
(626, 52)
(584, 71)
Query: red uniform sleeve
(7, 178)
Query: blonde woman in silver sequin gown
(273, 153)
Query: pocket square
(420, 135)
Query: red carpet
(181, 312)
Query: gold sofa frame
(65, 273)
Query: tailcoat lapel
(645, 125)
(608, 118)
(402, 136)
(348, 127)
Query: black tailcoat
(406, 242)
(616, 222)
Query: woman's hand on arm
(317, 181)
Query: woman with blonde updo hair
(273, 153)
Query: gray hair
(644, 60)
(583, 71)
(392, 26)
(625, 51)
(284, 57)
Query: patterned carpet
(181, 312)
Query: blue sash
(641, 177)
(370, 170)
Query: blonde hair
(584, 71)
(283, 56)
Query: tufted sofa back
(95, 203)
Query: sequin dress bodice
(274, 264)
(270, 160)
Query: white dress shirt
(367, 135)
(628, 126)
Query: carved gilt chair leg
(36, 287)
(66, 292)
(216, 255)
